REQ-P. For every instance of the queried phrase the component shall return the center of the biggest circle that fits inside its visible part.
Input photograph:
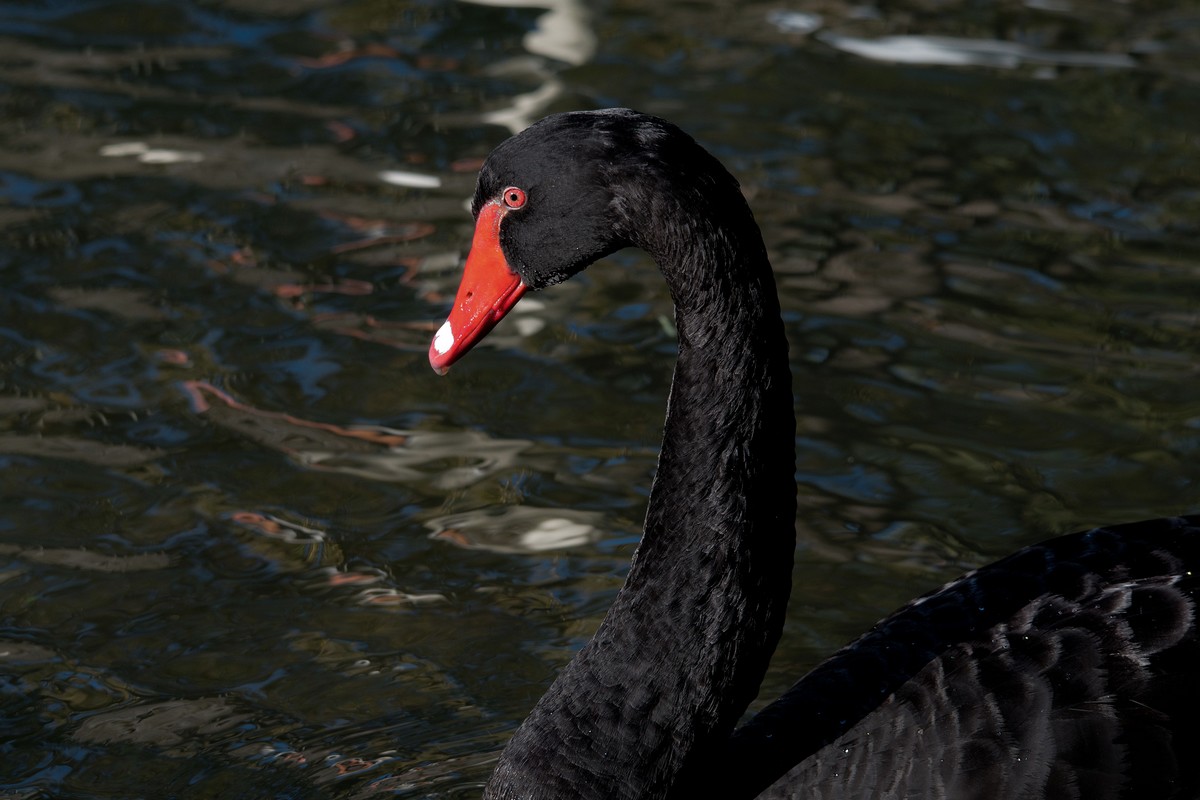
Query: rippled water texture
(251, 546)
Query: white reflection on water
(150, 155)
(952, 51)
(948, 51)
(412, 180)
(564, 33)
(517, 529)
(528, 107)
(798, 22)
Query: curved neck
(683, 649)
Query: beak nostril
(468, 297)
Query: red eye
(514, 197)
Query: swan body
(1067, 670)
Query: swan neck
(683, 649)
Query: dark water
(251, 546)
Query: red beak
(488, 291)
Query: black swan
(1068, 670)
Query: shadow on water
(250, 545)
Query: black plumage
(1065, 670)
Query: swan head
(555, 198)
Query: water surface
(251, 546)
